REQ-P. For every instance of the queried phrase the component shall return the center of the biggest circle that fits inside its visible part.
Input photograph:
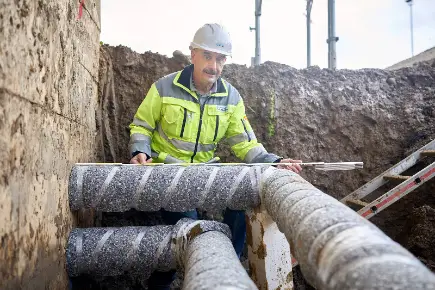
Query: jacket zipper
(184, 122)
(199, 127)
(246, 131)
(217, 128)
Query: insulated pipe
(335, 247)
(212, 263)
(117, 188)
(113, 251)
(135, 250)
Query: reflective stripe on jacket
(172, 126)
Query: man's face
(208, 65)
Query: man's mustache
(210, 71)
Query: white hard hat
(212, 37)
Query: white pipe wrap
(212, 263)
(335, 247)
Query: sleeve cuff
(137, 152)
(267, 158)
(140, 143)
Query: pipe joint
(186, 230)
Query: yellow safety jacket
(172, 126)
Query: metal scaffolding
(309, 6)
(332, 39)
(411, 25)
(257, 58)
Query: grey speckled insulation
(212, 263)
(114, 251)
(135, 250)
(118, 188)
(335, 247)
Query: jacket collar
(182, 80)
(193, 88)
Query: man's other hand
(294, 167)
(140, 158)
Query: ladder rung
(428, 152)
(396, 177)
(357, 202)
(398, 192)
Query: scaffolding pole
(309, 5)
(332, 39)
(411, 25)
(257, 58)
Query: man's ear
(192, 53)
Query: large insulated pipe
(134, 250)
(118, 188)
(335, 247)
(114, 251)
(210, 262)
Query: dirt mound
(421, 235)
(425, 56)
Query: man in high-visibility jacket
(184, 116)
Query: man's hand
(140, 158)
(295, 167)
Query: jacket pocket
(218, 118)
(178, 120)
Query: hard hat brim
(194, 45)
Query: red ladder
(392, 175)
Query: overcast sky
(373, 33)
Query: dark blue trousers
(235, 219)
